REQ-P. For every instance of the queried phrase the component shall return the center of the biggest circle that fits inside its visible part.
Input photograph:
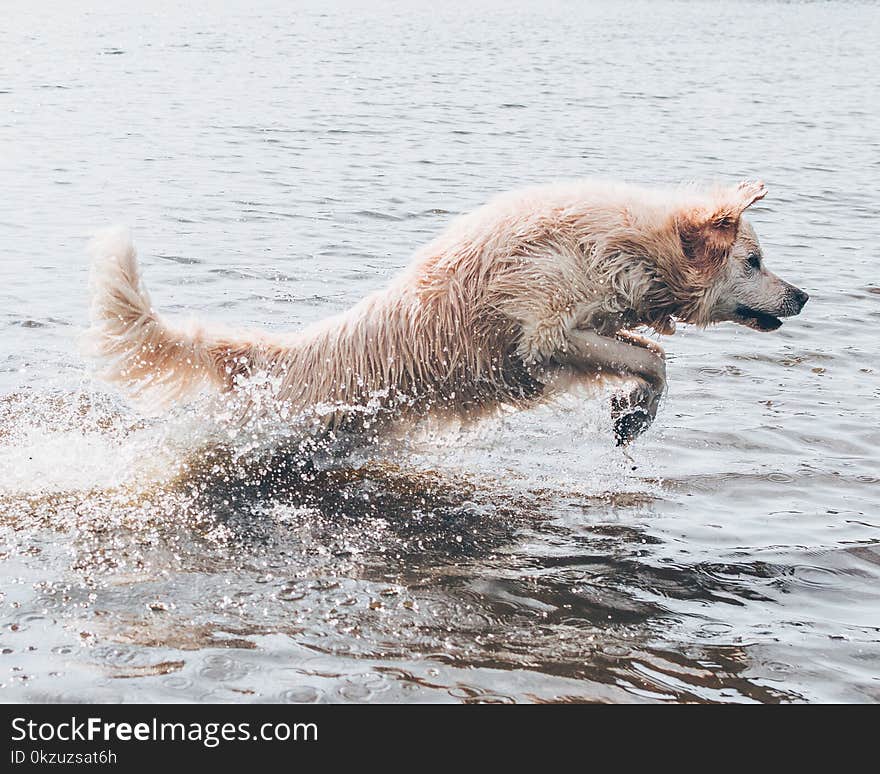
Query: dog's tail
(155, 362)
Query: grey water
(277, 161)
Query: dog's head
(724, 265)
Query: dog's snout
(793, 300)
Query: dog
(538, 289)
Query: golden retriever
(511, 303)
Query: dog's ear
(707, 233)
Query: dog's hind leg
(628, 356)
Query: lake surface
(277, 163)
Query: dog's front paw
(633, 413)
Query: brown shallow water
(278, 164)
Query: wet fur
(511, 303)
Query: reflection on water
(375, 580)
(733, 554)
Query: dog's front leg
(627, 356)
(634, 412)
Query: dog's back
(414, 348)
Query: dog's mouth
(756, 319)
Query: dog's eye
(754, 260)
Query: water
(278, 163)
